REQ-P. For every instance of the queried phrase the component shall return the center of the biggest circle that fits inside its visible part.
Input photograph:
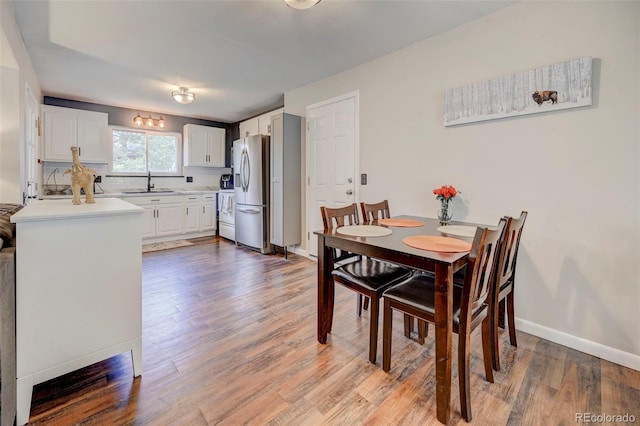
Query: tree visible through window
(141, 151)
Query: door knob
(349, 192)
(350, 180)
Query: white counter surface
(142, 193)
(63, 209)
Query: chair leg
(487, 327)
(386, 335)
(408, 325)
(366, 303)
(332, 294)
(423, 331)
(512, 320)
(373, 329)
(501, 313)
(463, 374)
(359, 305)
(494, 315)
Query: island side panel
(79, 292)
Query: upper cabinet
(67, 127)
(204, 146)
(260, 125)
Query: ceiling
(238, 57)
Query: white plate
(364, 231)
(458, 230)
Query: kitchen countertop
(156, 191)
(62, 209)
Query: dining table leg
(325, 295)
(443, 332)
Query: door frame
(356, 153)
(26, 162)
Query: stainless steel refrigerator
(251, 185)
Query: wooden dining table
(392, 248)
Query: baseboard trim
(614, 355)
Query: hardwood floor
(229, 337)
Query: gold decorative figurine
(81, 177)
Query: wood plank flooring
(229, 337)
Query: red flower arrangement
(445, 192)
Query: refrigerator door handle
(244, 210)
(246, 171)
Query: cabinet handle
(158, 213)
(187, 211)
(79, 151)
(202, 209)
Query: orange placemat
(435, 243)
(407, 223)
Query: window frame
(146, 132)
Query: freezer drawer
(251, 227)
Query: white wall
(575, 171)
(17, 71)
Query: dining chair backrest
(371, 212)
(339, 216)
(481, 263)
(509, 249)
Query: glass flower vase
(445, 212)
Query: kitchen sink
(149, 192)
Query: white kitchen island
(78, 289)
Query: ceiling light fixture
(184, 96)
(140, 121)
(301, 4)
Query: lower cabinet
(177, 215)
(163, 215)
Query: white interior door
(30, 155)
(331, 159)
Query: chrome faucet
(149, 186)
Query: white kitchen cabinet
(250, 127)
(67, 127)
(200, 213)
(265, 121)
(163, 215)
(204, 146)
(208, 212)
(260, 125)
(193, 213)
(285, 190)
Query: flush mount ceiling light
(301, 4)
(184, 96)
(140, 121)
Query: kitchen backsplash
(202, 177)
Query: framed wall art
(552, 87)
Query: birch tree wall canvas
(552, 87)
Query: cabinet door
(195, 145)
(265, 122)
(149, 222)
(92, 130)
(277, 201)
(216, 145)
(60, 134)
(192, 222)
(249, 127)
(169, 219)
(208, 216)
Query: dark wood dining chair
(415, 296)
(375, 211)
(505, 281)
(367, 277)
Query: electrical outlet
(363, 179)
(189, 178)
(98, 179)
